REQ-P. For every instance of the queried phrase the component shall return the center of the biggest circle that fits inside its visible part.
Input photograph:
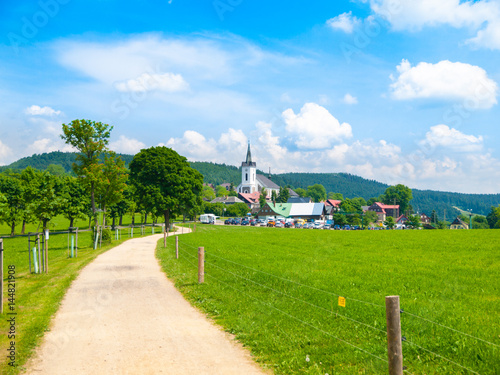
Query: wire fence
(423, 354)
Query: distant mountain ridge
(348, 185)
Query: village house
(384, 210)
(459, 224)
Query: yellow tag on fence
(342, 301)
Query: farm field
(37, 296)
(277, 291)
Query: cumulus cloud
(444, 136)
(36, 110)
(345, 22)
(168, 82)
(314, 127)
(349, 99)
(44, 145)
(125, 145)
(445, 80)
(481, 16)
(5, 153)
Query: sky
(397, 91)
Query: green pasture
(38, 296)
(277, 291)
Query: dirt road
(123, 316)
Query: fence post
(76, 243)
(176, 247)
(201, 265)
(29, 250)
(46, 237)
(39, 251)
(1, 276)
(165, 235)
(394, 347)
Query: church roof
(248, 162)
(267, 183)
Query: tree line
(158, 181)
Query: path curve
(123, 316)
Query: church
(251, 182)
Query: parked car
(346, 227)
(271, 223)
(356, 227)
(279, 224)
(288, 225)
(263, 223)
(236, 221)
(318, 225)
(327, 226)
(245, 222)
(337, 227)
(253, 223)
(228, 221)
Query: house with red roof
(383, 210)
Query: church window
(246, 176)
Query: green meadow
(277, 291)
(38, 296)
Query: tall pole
(394, 345)
(201, 265)
(1, 275)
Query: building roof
(267, 183)
(307, 209)
(402, 219)
(292, 193)
(281, 209)
(459, 221)
(384, 206)
(299, 200)
(227, 200)
(249, 197)
(333, 202)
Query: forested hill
(348, 185)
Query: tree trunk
(166, 215)
(104, 216)
(24, 226)
(114, 222)
(120, 222)
(133, 218)
(145, 218)
(71, 222)
(13, 228)
(92, 203)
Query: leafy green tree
(434, 217)
(164, 176)
(400, 195)
(336, 196)
(213, 208)
(221, 191)
(283, 195)
(389, 222)
(339, 219)
(358, 203)
(317, 192)
(301, 192)
(208, 193)
(493, 217)
(480, 222)
(12, 191)
(348, 206)
(232, 193)
(90, 138)
(274, 197)
(49, 201)
(262, 197)
(190, 200)
(413, 221)
(30, 181)
(56, 170)
(373, 200)
(369, 218)
(75, 200)
(237, 209)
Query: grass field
(38, 296)
(277, 291)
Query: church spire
(249, 154)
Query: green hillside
(348, 185)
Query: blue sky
(392, 90)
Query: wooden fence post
(76, 243)
(47, 251)
(29, 250)
(176, 247)
(1, 276)
(39, 252)
(394, 345)
(165, 235)
(201, 265)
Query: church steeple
(248, 162)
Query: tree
(90, 138)
(317, 192)
(301, 192)
(479, 222)
(369, 218)
(111, 177)
(283, 195)
(166, 178)
(237, 210)
(493, 217)
(262, 197)
(48, 202)
(413, 221)
(339, 219)
(389, 222)
(273, 196)
(221, 191)
(434, 217)
(30, 181)
(208, 193)
(74, 200)
(12, 191)
(56, 170)
(400, 195)
(336, 196)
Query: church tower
(248, 174)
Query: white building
(252, 182)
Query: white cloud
(480, 16)
(5, 153)
(345, 22)
(36, 110)
(349, 99)
(444, 136)
(44, 145)
(445, 80)
(126, 145)
(168, 82)
(314, 127)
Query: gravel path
(123, 316)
